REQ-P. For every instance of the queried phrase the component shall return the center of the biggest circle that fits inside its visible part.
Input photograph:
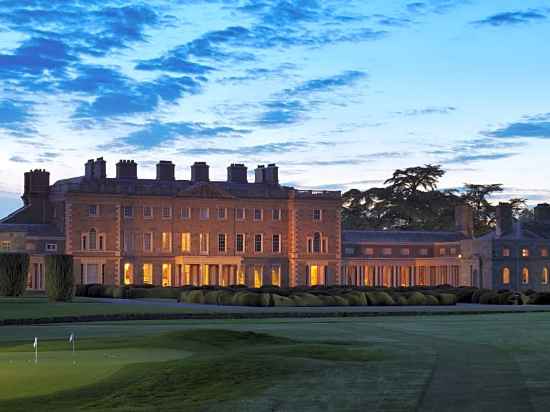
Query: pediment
(205, 190)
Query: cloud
(512, 18)
(263, 149)
(351, 160)
(475, 150)
(428, 111)
(469, 158)
(174, 64)
(536, 127)
(16, 117)
(157, 134)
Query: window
(222, 242)
(93, 210)
(276, 215)
(369, 251)
(276, 275)
(405, 251)
(276, 243)
(93, 239)
(51, 247)
(147, 212)
(5, 246)
(222, 213)
(544, 252)
(317, 242)
(128, 274)
(349, 251)
(505, 276)
(525, 276)
(186, 242)
(166, 275)
(315, 275)
(324, 244)
(185, 213)
(423, 252)
(258, 276)
(258, 243)
(148, 273)
(128, 212)
(525, 252)
(101, 242)
(148, 242)
(204, 213)
(442, 251)
(239, 214)
(166, 241)
(387, 251)
(127, 244)
(84, 242)
(258, 214)
(204, 243)
(167, 213)
(453, 251)
(317, 214)
(545, 274)
(506, 252)
(239, 243)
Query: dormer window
(506, 252)
(525, 252)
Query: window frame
(150, 216)
(279, 243)
(243, 217)
(186, 242)
(224, 237)
(261, 218)
(203, 216)
(128, 216)
(261, 235)
(220, 217)
(151, 240)
(243, 249)
(166, 217)
(277, 218)
(320, 215)
(96, 214)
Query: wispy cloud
(428, 111)
(512, 18)
(536, 127)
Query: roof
(522, 231)
(399, 236)
(184, 188)
(42, 230)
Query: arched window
(316, 242)
(525, 276)
(93, 239)
(545, 275)
(505, 276)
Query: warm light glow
(166, 274)
(525, 252)
(258, 272)
(128, 274)
(186, 274)
(276, 275)
(545, 274)
(205, 280)
(505, 276)
(240, 277)
(148, 273)
(314, 275)
(186, 242)
(525, 276)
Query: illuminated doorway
(166, 275)
(128, 274)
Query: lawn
(481, 362)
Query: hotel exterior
(169, 232)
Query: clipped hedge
(14, 269)
(59, 278)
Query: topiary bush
(356, 298)
(378, 298)
(431, 300)
(279, 300)
(306, 299)
(446, 299)
(489, 298)
(416, 298)
(246, 299)
(59, 278)
(14, 269)
(541, 298)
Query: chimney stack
(505, 219)
(269, 174)
(37, 185)
(237, 173)
(126, 169)
(464, 220)
(200, 172)
(542, 213)
(100, 168)
(166, 170)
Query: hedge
(59, 277)
(14, 269)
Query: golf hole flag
(71, 337)
(35, 344)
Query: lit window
(204, 243)
(166, 275)
(506, 276)
(204, 213)
(5, 245)
(222, 242)
(276, 241)
(317, 214)
(405, 252)
(185, 213)
(128, 274)
(51, 247)
(315, 275)
(239, 213)
(442, 251)
(525, 252)
(258, 243)
(93, 210)
(222, 213)
(128, 212)
(148, 242)
(387, 251)
(147, 212)
(239, 243)
(258, 214)
(369, 251)
(166, 241)
(167, 213)
(544, 252)
(276, 275)
(506, 252)
(525, 276)
(186, 242)
(148, 273)
(276, 214)
(258, 275)
(545, 274)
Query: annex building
(171, 232)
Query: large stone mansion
(169, 232)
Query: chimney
(199, 172)
(37, 185)
(271, 175)
(165, 170)
(505, 219)
(89, 169)
(464, 220)
(259, 174)
(126, 169)
(237, 173)
(100, 168)
(542, 213)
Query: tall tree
(476, 195)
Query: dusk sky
(337, 93)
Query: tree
(412, 179)
(476, 195)
(59, 278)
(14, 269)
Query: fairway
(475, 362)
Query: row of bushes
(127, 291)
(262, 297)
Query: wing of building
(169, 232)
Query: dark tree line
(411, 200)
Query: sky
(338, 93)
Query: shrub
(162, 293)
(265, 299)
(416, 298)
(247, 299)
(446, 299)
(378, 298)
(14, 269)
(212, 297)
(138, 293)
(59, 277)
(489, 298)
(225, 297)
(306, 299)
(542, 298)
(464, 295)
(431, 300)
(401, 299)
(478, 293)
(340, 301)
(95, 290)
(356, 298)
(196, 296)
(279, 300)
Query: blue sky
(338, 93)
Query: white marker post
(72, 339)
(35, 344)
